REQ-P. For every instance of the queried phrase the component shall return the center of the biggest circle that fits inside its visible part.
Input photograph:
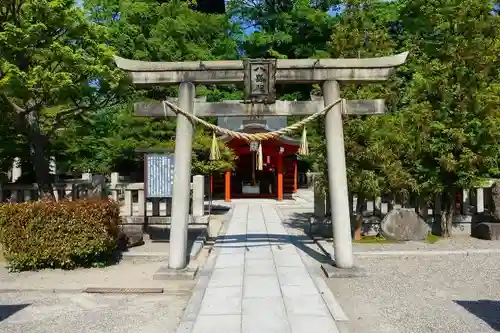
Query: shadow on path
(301, 242)
(245, 241)
(8, 310)
(487, 310)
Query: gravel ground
(447, 294)
(417, 294)
(75, 313)
(128, 274)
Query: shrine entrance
(260, 77)
(263, 170)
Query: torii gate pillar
(337, 178)
(177, 258)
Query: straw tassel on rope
(260, 158)
(304, 146)
(214, 151)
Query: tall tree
(161, 31)
(373, 149)
(451, 107)
(51, 56)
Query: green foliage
(50, 55)
(286, 29)
(164, 31)
(155, 31)
(374, 240)
(451, 107)
(64, 234)
(55, 66)
(443, 130)
(431, 238)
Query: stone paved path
(259, 283)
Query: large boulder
(130, 236)
(487, 231)
(404, 224)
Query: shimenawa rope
(250, 136)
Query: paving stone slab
(311, 305)
(221, 301)
(264, 315)
(218, 324)
(309, 324)
(226, 277)
(261, 286)
(260, 267)
(261, 252)
(283, 259)
(299, 291)
(230, 260)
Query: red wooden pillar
(227, 186)
(280, 176)
(295, 176)
(211, 185)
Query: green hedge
(64, 234)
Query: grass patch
(374, 240)
(431, 238)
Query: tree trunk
(38, 142)
(447, 213)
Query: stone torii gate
(260, 77)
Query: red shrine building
(276, 176)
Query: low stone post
(141, 202)
(319, 200)
(479, 200)
(465, 202)
(114, 179)
(17, 170)
(370, 207)
(52, 166)
(198, 196)
(129, 203)
(113, 185)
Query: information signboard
(159, 175)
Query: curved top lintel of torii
(130, 65)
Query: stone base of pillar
(167, 273)
(331, 271)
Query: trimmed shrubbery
(64, 234)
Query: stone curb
(426, 252)
(198, 244)
(148, 256)
(325, 246)
(83, 291)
